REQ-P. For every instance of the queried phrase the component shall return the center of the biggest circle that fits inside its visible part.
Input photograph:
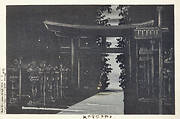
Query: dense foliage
(122, 43)
(101, 42)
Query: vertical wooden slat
(61, 80)
(78, 72)
(20, 79)
(145, 77)
(148, 77)
(152, 68)
(137, 68)
(57, 87)
(72, 60)
(78, 58)
(44, 89)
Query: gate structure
(145, 79)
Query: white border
(3, 58)
(3, 4)
(90, 2)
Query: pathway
(108, 102)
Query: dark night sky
(25, 27)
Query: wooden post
(57, 87)
(20, 79)
(61, 79)
(137, 67)
(159, 9)
(72, 60)
(160, 75)
(44, 86)
(79, 72)
(74, 63)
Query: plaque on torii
(149, 32)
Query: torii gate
(144, 51)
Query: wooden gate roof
(74, 29)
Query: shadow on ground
(70, 98)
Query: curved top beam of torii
(62, 29)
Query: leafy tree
(122, 41)
(105, 70)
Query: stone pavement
(108, 102)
